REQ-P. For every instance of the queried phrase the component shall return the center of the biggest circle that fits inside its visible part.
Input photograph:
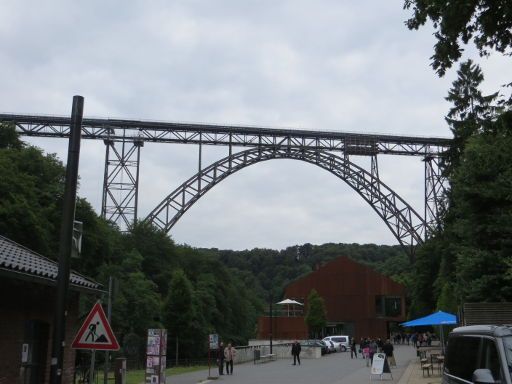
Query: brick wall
(21, 301)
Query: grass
(138, 376)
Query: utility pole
(65, 241)
(271, 320)
(109, 317)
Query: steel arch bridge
(406, 225)
(332, 151)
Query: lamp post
(271, 320)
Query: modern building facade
(359, 301)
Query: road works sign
(95, 332)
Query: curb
(407, 374)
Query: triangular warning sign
(95, 332)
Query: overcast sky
(319, 65)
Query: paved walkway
(336, 368)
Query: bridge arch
(404, 222)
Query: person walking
(373, 350)
(388, 348)
(296, 352)
(365, 346)
(220, 358)
(229, 356)
(353, 348)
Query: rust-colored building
(359, 301)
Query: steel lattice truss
(133, 130)
(124, 139)
(121, 182)
(436, 199)
(405, 224)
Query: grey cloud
(326, 65)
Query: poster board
(156, 351)
(380, 365)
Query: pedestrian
(353, 348)
(229, 356)
(388, 348)
(296, 352)
(380, 343)
(373, 350)
(220, 358)
(365, 346)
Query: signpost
(213, 345)
(95, 332)
(156, 356)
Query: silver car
(479, 354)
(341, 342)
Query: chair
(425, 365)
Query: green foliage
(316, 316)
(178, 309)
(9, 139)
(31, 187)
(471, 256)
(481, 189)
(470, 111)
(488, 23)
(158, 250)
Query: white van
(341, 342)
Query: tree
(178, 310)
(488, 23)
(483, 209)
(158, 251)
(31, 189)
(137, 305)
(471, 109)
(9, 139)
(316, 317)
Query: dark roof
(21, 262)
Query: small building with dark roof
(27, 305)
(359, 302)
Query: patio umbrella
(438, 318)
(287, 302)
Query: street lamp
(271, 322)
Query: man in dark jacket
(220, 358)
(296, 352)
(387, 348)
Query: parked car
(341, 342)
(479, 354)
(315, 343)
(330, 346)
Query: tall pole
(271, 321)
(65, 241)
(109, 317)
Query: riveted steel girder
(239, 136)
(403, 221)
(436, 198)
(121, 169)
(121, 182)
